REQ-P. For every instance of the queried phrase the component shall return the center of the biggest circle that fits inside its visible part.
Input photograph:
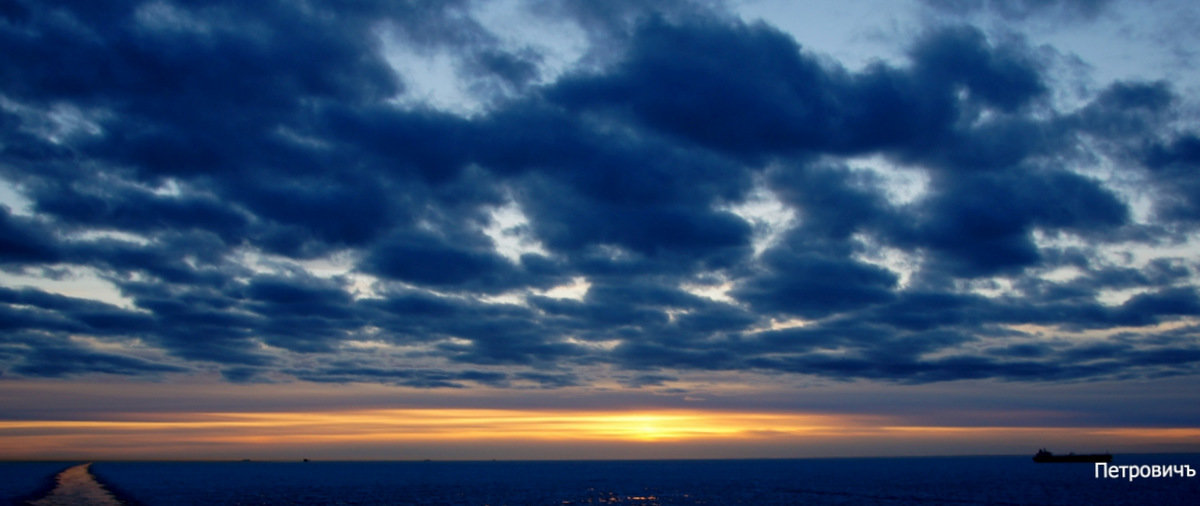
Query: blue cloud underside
(217, 154)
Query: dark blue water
(20, 480)
(885, 481)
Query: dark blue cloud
(25, 241)
(1021, 9)
(515, 71)
(749, 89)
(206, 161)
(815, 286)
(421, 378)
(431, 260)
(49, 360)
(739, 88)
(835, 201)
(1003, 77)
(982, 224)
(34, 311)
(1126, 111)
(1174, 165)
(92, 204)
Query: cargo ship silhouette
(1047, 457)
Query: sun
(651, 428)
(654, 426)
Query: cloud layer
(269, 196)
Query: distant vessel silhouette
(1047, 457)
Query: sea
(994, 480)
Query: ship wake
(76, 486)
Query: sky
(536, 229)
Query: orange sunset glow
(498, 433)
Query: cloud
(24, 241)
(1005, 77)
(1022, 9)
(65, 360)
(1172, 165)
(406, 377)
(982, 224)
(813, 286)
(271, 197)
(749, 89)
(430, 260)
